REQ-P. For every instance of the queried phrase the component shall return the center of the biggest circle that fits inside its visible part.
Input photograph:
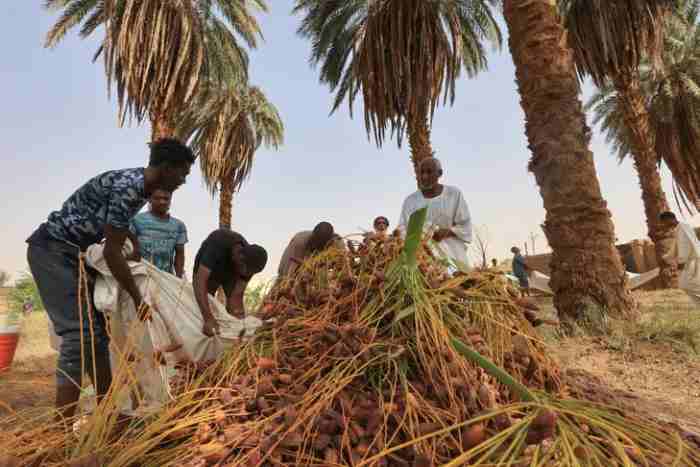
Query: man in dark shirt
(101, 209)
(226, 260)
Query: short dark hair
(170, 151)
(668, 216)
(321, 235)
(514, 249)
(163, 190)
(255, 258)
(381, 218)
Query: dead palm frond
(157, 52)
(401, 55)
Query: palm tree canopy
(609, 116)
(226, 125)
(675, 103)
(157, 52)
(672, 95)
(401, 54)
(610, 37)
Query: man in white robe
(448, 215)
(687, 252)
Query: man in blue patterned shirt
(161, 237)
(101, 209)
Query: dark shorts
(55, 267)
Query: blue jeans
(55, 267)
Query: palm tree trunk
(225, 203)
(637, 121)
(419, 139)
(585, 265)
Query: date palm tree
(157, 53)
(226, 126)
(671, 97)
(401, 55)
(675, 103)
(610, 39)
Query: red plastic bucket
(8, 346)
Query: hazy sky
(59, 129)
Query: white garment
(176, 320)
(689, 254)
(539, 281)
(448, 211)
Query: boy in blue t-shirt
(161, 237)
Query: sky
(59, 128)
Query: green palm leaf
(402, 56)
(226, 125)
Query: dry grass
(679, 328)
(669, 317)
(34, 342)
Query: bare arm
(180, 260)
(201, 292)
(114, 241)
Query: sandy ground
(653, 366)
(30, 380)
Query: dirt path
(650, 365)
(28, 384)
(654, 378)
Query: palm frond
(672, 97)
(157, 53)
(609, 38)
(96, 19)
(154, 54)
(608, 114)
(402, 56)
(675, 103)
(226, 126)
(73, 14)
